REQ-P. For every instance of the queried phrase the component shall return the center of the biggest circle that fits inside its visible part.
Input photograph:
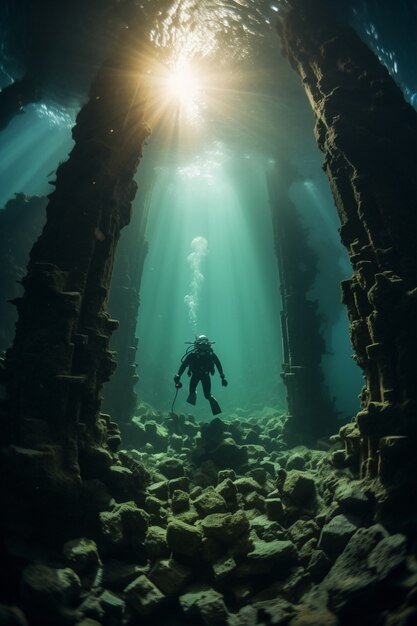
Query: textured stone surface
(170, 576)
(184, 539)
(143, 596)
(336, 534)
(299, 487)
(225, 528)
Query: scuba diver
(200, 360)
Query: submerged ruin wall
(53, 432)
(311, 413)
(368, 135)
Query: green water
(238, 299)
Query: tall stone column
(368, 135)
(21, 221)
(53, 429)
(120, 397)
(311, 413)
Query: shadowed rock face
(368, 135)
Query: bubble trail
(195, 258)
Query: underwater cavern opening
(205, 212)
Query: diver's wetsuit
(200, 365)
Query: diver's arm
(220, 369)
(183, 365)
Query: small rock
(81, 554)
(112, 605)
(159, 489)
(352, 499)
(210, 502)
(171, 468)
(170, 576)
(156, 543)
(206, 604)
(46, 588)
(336, 534)
(318, 565)
(184, 539)
(274, 509)
(295, 461)
(267, 555)
(299, 487)
(225, 528)
(143, 596)
(302, 531)
(246, 485)
(117, 575)
(224, 568)
(180, 501)
(388, 556)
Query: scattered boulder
(299, 488)
(81, 555)
(184, 539)
(226, 528)
(143, 597)
(273, 554)
(206, 604)
(210, 502)
(170, 576)
(336, 534)
(47, 590)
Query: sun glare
(183, 84)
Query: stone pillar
(120, 397)
(311, 414)
(368, 135)
(21, 221)
(53, 429)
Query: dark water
(230, 111)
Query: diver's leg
(192, 396)
(206, 382)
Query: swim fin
(215, 408)
(192, 398)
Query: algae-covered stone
(388, 556)
(135, 521)
(299, 487)
(267, 555)
(274, 509)
(113, 606)
(156, 543)
(227, 489)
(224, 568)
(267, 529)
(81, 554)
(302, 531)
(247, 484)
(170, 576)
(143, 596)
(48, 588)
(336, 534)
(180, 501)
(352, 498)
(159, 489)
(117, 574)
(171, 468)
(206, 604)
(225, 528)
(184, 539)
(210, 502)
